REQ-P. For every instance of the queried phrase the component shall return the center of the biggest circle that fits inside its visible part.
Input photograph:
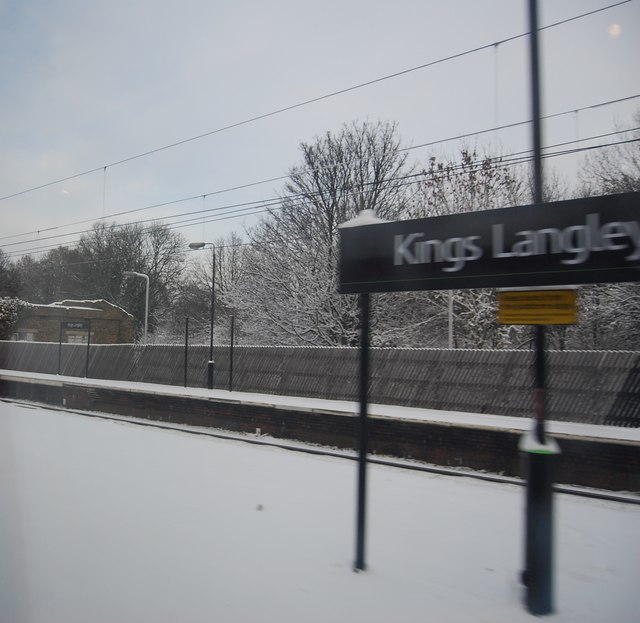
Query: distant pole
(231, 355)
(60, 349)
(186, 348)
(86, 366)
(362, 434)
(210, 365)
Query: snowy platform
(105, 521)
(599, 457)
(317, 405)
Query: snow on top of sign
(365, 217)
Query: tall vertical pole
(146, 309)
(535, 103)
(60, 350)
(362, 434)
(210, 364)
(450, 340)
(539, 398)
(86, 366)
(231, 354)
(186, 349)
(539, 451)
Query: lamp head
(197, 245)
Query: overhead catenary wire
(284, 177)
(264, 206)
(313, 100)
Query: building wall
(109, 324)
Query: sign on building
(592, 240)
(79, 325)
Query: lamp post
(131, 273)
(196, 246)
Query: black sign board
(82, 325)
(592, 240)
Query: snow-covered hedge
(10, 311)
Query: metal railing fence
(598, 387)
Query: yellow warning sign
(537, 307)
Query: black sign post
(579, 241)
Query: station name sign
(76, 324)
(592, 240)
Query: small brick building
(71, 321)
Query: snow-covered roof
(84, 305)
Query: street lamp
(131, 273)
(196, 246)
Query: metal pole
(146, 309)
(186, 349)
(450, 341)
(210, 364)
(540, 452)
(60, 349)
(231, 355)
(362, 434)
(86, 367)
(540, 372)
(535, 103)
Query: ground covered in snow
(106, 521)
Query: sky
(87, 87)
(137, 524)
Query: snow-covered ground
(104, 521)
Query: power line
(283, 177)
(260, 207)
(151, 207)
(313, 100)
(264, 206)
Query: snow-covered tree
(615, 168)
(10, 311)
(289, 289)
(110, 249)
(473, 183)
(610, 314)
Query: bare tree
(289, 292)
(193, 298)
(615, 169)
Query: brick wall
(606, 464)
